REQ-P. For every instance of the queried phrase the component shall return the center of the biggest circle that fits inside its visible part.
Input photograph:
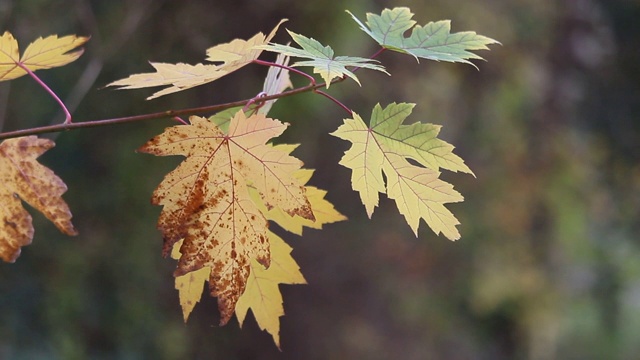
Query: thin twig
(153, 116)
(35, 77)
(312, 80)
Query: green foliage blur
(548, 266)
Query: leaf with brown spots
(190, 285)
(206, 199)
(21, 176)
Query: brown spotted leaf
(21, 176)
(206, 200)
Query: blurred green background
(548, 266)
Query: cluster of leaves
(218, 203)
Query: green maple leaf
(323, 59)
(385, 147)
(433, 41)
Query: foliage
(384, 147)
(22, 176)
(46, 53)
(218, 203)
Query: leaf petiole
(343, 106)
(35, 77)
(312, 80)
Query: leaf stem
(343, 106)
(375, 55)
(35, 77)
(312, 80)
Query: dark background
(548, 266)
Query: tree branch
(154, 116)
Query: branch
(154, 116)
(313, 87)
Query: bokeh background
(548, 266)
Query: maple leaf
(322, 58)
(190, 285)
(384, 147)
(432, 41)
(206, 200)
(323, 210)
(227, 57)
(262, 294)
(22, 176)
(43, 53)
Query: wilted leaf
(230, 56)
(206, 200)
(21, 176)
(46, 53)
(432, 41)
(384, 147)
(276, 82)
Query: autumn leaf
(432, 41)
(322, 58)
(227, 57)
(21, 176)
(262, 294)
(385, 147)
(206, 200)
(43, 53)
(323, 210)
(190, 285)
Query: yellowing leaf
(43, 53)
(262, 294)
(22, 176)
(190, 285)
(238, 52)
(178, 77)
(432, 41)
(206, 201)
(384, 147)
(323, 210)
(322, 58)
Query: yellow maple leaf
(262, 294)
(190, 285)
(323, 210)
(228, 57)
(384, 147)
(43, 53)
(22, 176)
(206, 200)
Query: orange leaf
(206, 200)
(21, 175)
(43, 53)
